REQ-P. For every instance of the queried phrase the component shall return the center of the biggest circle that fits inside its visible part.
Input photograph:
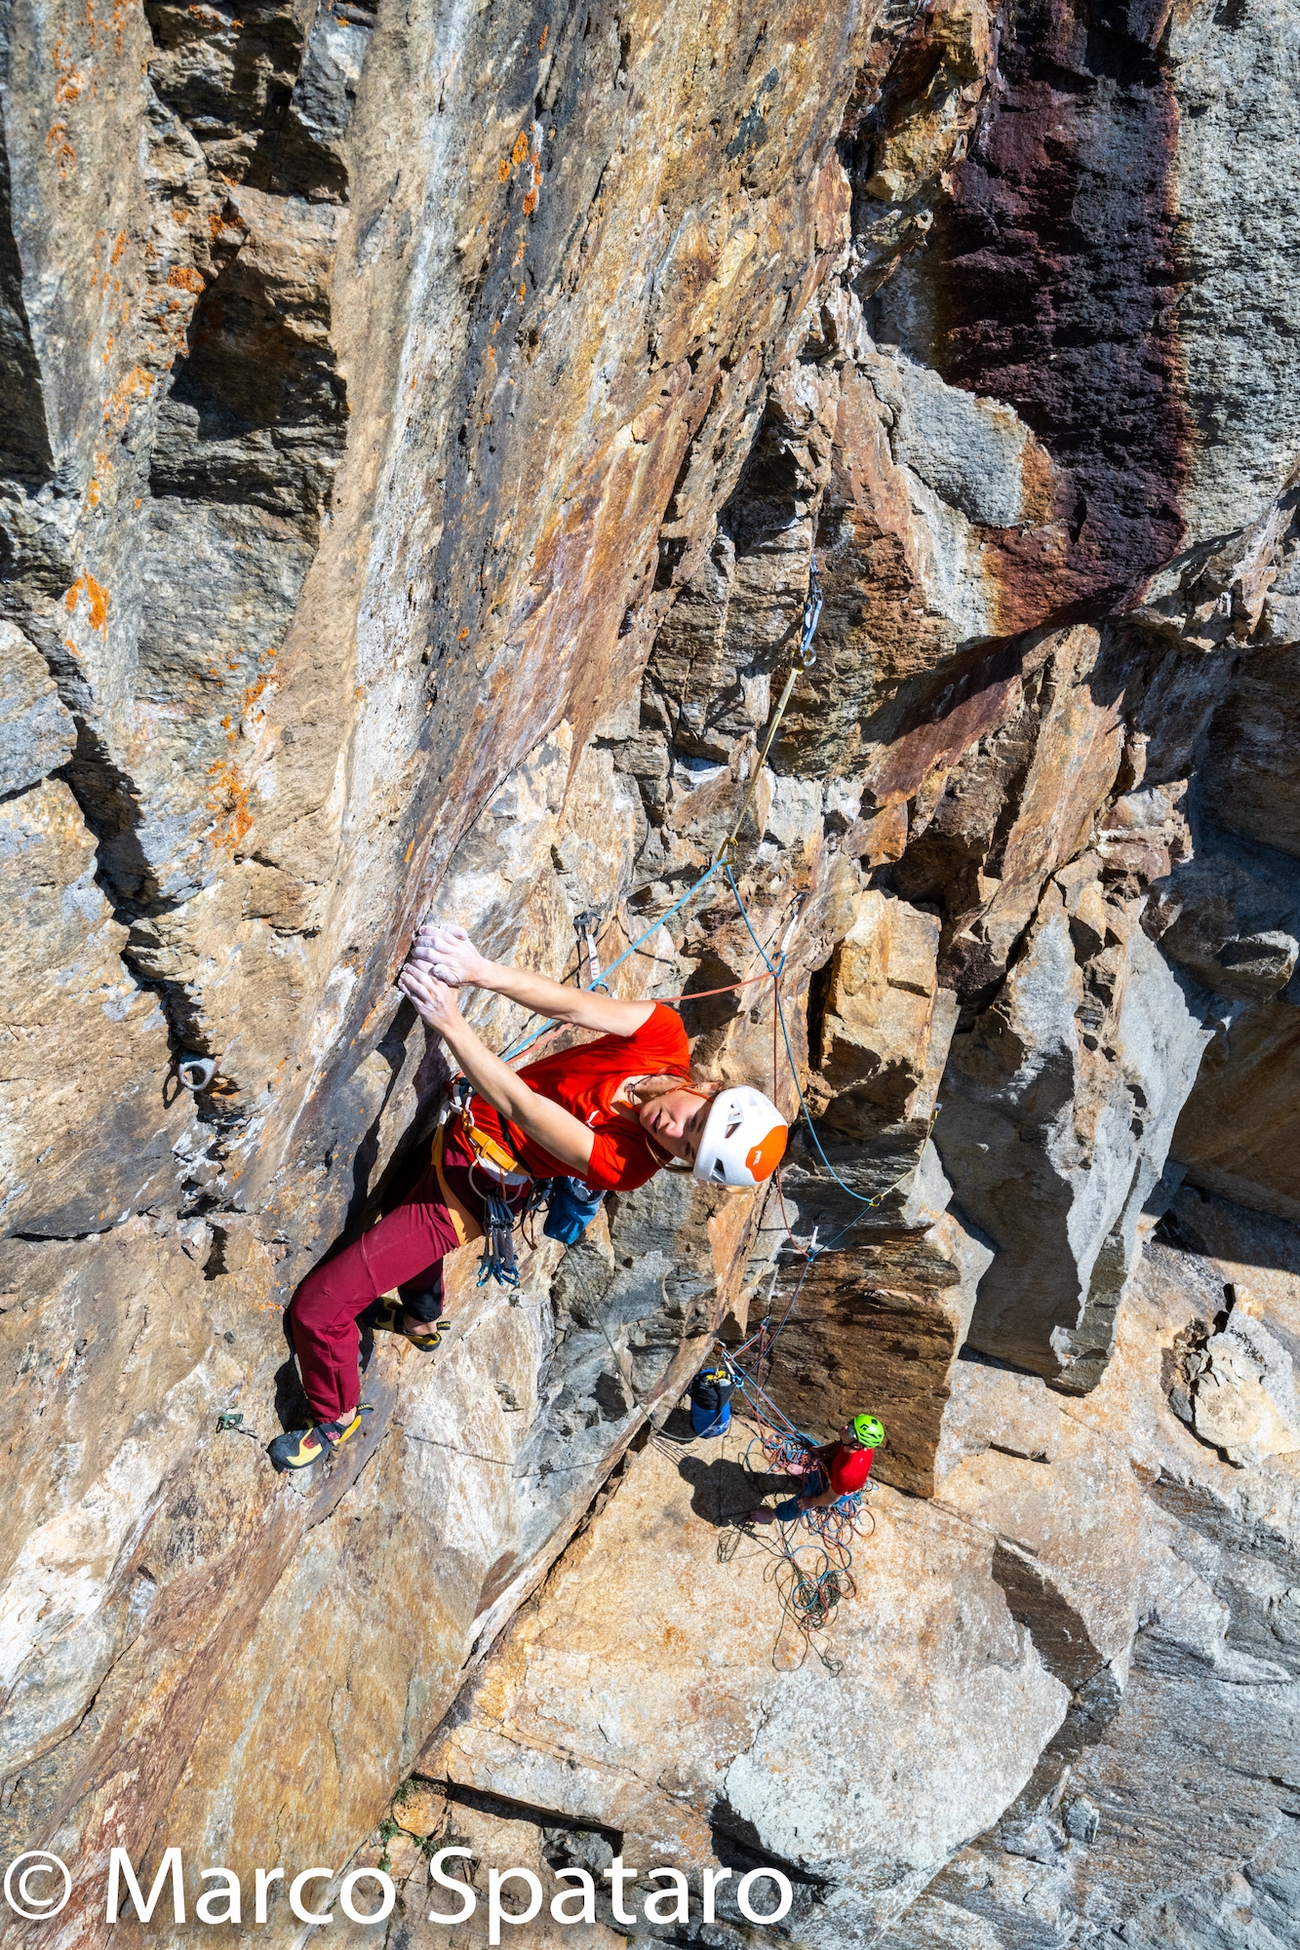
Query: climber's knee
(422, 1299)
(332, 1296)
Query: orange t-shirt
(584, 1081)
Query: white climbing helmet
(744, 1138)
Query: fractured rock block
(86, 1134)
(1245, 1400)
(36, 733)
(580, 1711)
(1054, 1141)
(880, 1013)
(878, 1327)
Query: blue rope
(794, 1069)
(775, 970)
(517, 1050)
(812, 610)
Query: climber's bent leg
(788, 1511)
(401, 1251)
(422, 1303)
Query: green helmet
(869, 1430)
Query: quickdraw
(497, 1260)
(498, 1257)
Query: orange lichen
(545, 31)
(229, 801)
(118, 247)
(461, 635)
(103, 464)
(186, 276)
(503, 171)
(69, 84)
(530, 202)
(58, 146)
(522, 293)
(98, 599)
(520, 151)
(117, 406)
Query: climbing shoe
(386, 1317)
(299, 1448)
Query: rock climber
(835, 1470)
(610, 1113)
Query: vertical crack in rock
(1065, 1645)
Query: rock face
(1089, 1628)
(415, 431)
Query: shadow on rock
(291, 1408)
(677, 1428)
(724, 1491)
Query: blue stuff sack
(711, 1401)
(571, 1208)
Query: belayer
(610, 1113)
(836, 1469)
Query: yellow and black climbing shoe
(299, 1448)
(386, 1317)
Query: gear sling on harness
(572, 1205)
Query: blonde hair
(646, 1089)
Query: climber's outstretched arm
(563, 1135)
(450, 955)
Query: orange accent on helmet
(765, 1156)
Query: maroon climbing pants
(404, 1250)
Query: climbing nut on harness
(744, 1138)
(869, 1430)
(196, 1072)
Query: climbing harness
(570, 1204)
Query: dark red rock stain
(1049, 283)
